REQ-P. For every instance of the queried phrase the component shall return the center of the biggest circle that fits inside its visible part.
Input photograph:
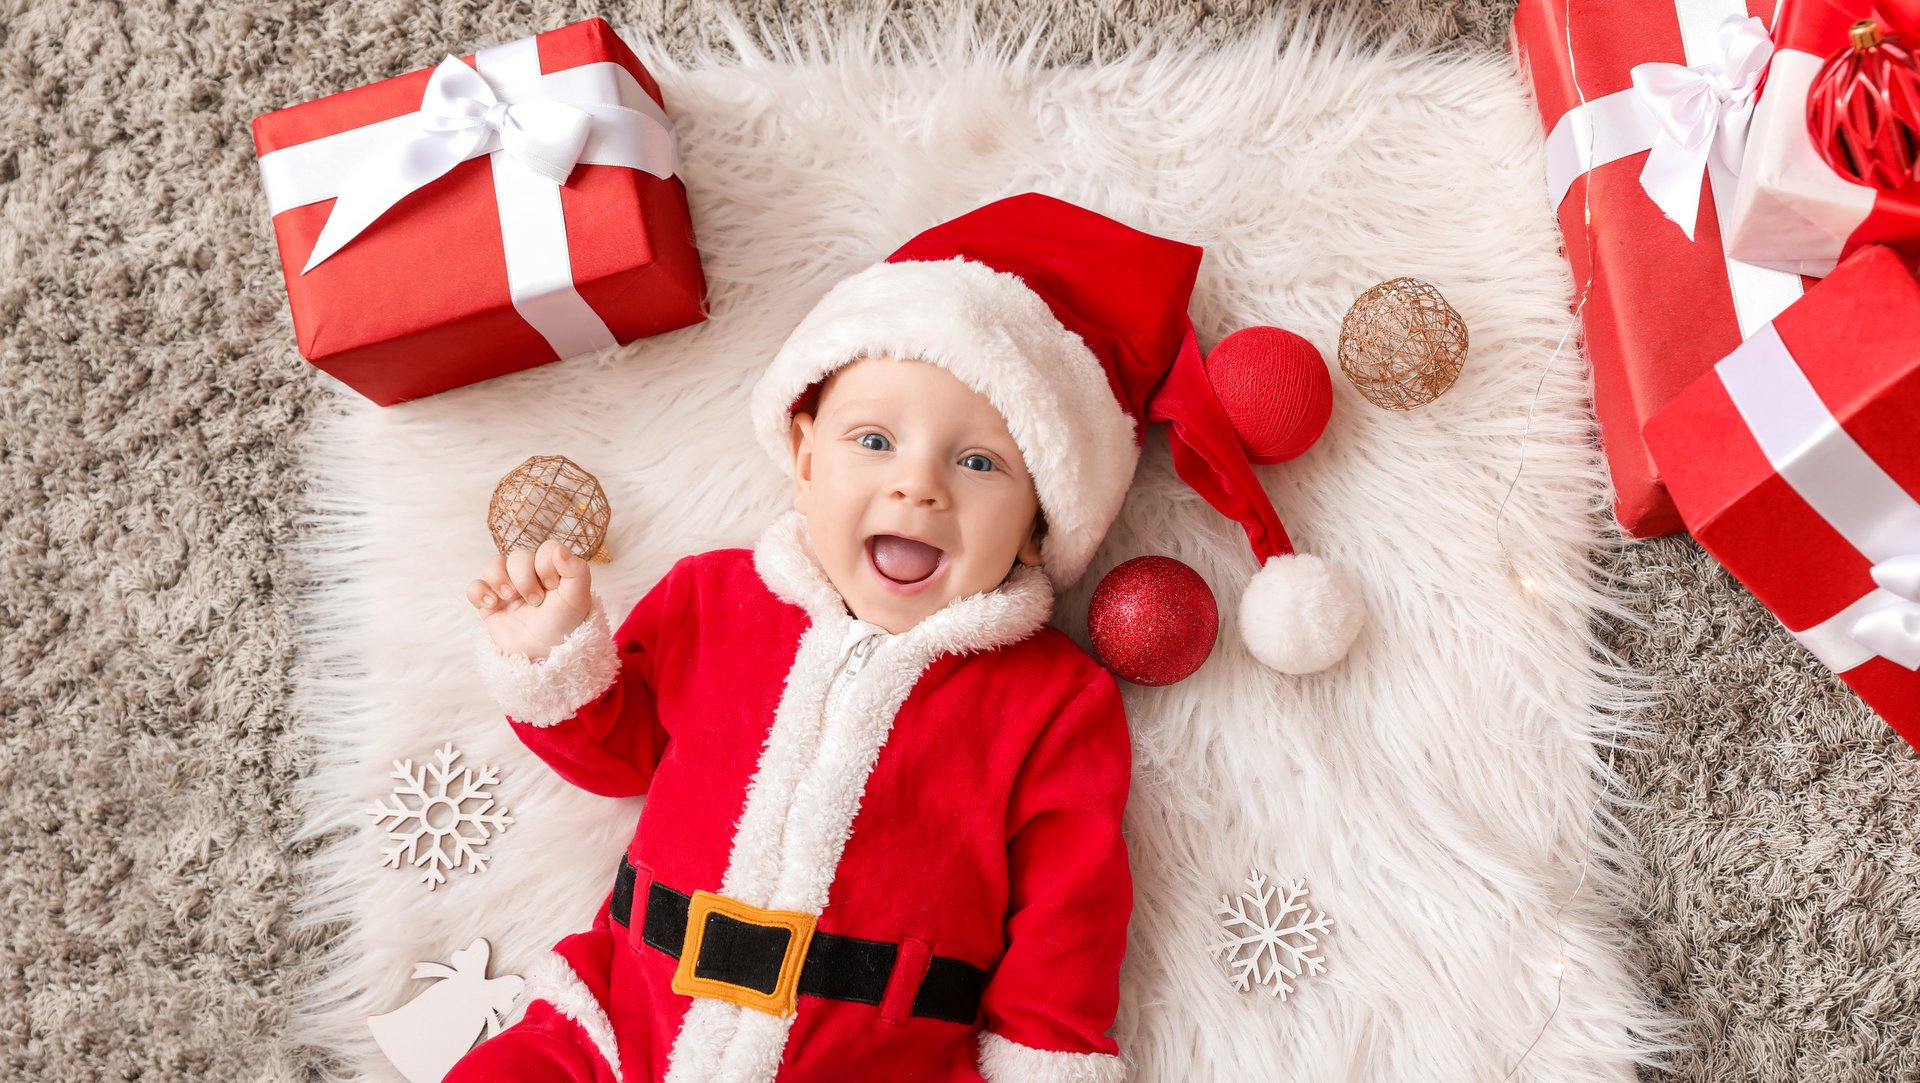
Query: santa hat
(1075, 328)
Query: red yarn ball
(1152, 621)
(1275, 388)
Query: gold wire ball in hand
(549, 496)
(1402, 344)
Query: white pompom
(1297, 615)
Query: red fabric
(909, 969)
(1058, 986)
(995, 842)
(1121, 290)
(1208, 455)
(418, 303)
(544, 1047)
(1857, 338)
(1660, 311)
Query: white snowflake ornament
(1269, 936)
(440, 817)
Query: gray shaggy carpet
(150, 397)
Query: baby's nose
(920, 486)
(919, 495)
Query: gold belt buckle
(786, 990)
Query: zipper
(855, 662)
(860, 652)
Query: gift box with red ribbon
(1793, 211)
(1644, 102)
(1794, 463)
(483, 216)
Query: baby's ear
(1030, 549)
(800, 437)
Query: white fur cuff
(1003, 1060)
(552, 979)
(574, 674)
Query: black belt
(839, 967)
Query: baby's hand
(531, 601)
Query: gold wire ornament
(549, 496)
(1402, 344)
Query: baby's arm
(1053, 997)
(588, 708)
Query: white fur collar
(1016, 609)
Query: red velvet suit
(963, 797)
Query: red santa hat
(1075, 327)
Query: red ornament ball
(1863, 110)
(1152, 621)
(1275, 388)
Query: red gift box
(1795, 465)
(1661, 307)
(499, 212)
(1793, 211)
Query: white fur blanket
(1440, 791)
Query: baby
(916, 502)
(883, 834)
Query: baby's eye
(866, 442)
(986, 464)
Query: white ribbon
(460, 117)
(1703, 112)
(534, 127)
(1827, 468)
(1892, 631)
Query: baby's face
(900, 450)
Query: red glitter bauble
(1152, 621)
(1863, 111)
(1275, 388)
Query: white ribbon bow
(1703, 112)
(460, 117)
(1893, 631)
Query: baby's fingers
(550, 562)
(566, 575)
(571, 565)
(520, 572)
(494, 574)
(481, 594)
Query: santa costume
(875, 856)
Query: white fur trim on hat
(545, 693)
(1297, 615)
(1003, 1060)
(999, 337)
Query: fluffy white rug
(1440, 792)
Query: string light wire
(1525, 584)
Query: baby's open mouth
(903, 560)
